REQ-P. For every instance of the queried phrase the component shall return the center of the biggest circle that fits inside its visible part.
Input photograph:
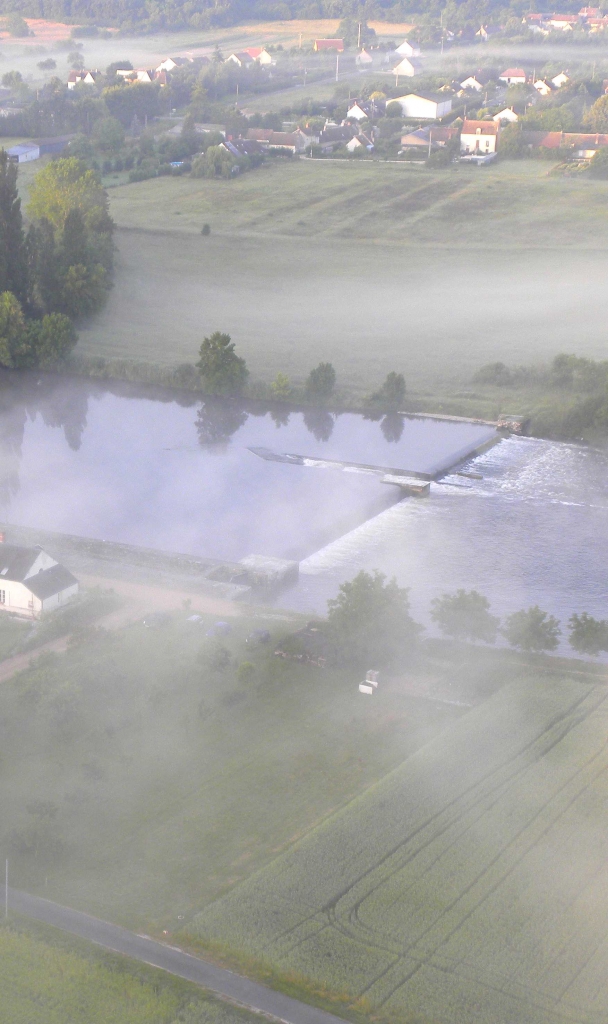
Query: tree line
(369, 623)
(59, 270)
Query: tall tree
(13, 261)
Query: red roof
(254, 51)
(480, 128)
(513, 73)
(554, 140)
(568, 19)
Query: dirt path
(139, 600)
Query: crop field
(48, 978)
(471, 884)
(142, 777)
(376, 267)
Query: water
(177, 474)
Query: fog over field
(434, 315)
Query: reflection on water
(176, 473)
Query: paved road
(169, 958)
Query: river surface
(178, 474)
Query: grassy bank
(47, 977)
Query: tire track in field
(427, 958)
(563, 722)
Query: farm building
(31, 582)
(424, 106)
(407, 49)
(513, 76)
(329, 44)
(23, 153)
(33, 150)
(479, 137)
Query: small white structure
(360, 142)
(479, 137)
(23, 153)
(408, 66)
(242, 59)
(31, 582)
(472, 82)
(408, 49)
(513, 76)
(425, 107)
(559, 80)
(542, 87)
(359, 111)
(508, 114)
(171, 63)
(370, 684)
(85, 77)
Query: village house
(294, 142)
(362, 109)
(359, 143)
(479, 137)
(336, 45)
(144, 75)
(426, 139)
(582, 146)
(258, 54)
(424, 106)
(335, 135)
(364, 59)
(559, 80)
(486, 32)
(407, 49)
(171, 63)
(563, 22)
(542, 87)
(31, 582)
(242, 147)
(597, 24)
(477, 81)
(242, 59)
(85, 77)
(513, 76)
(508, 114)
(408, 66)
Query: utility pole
(6, 888)
(359, 37)
(300, 40)
(337, 66)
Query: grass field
(373, 266)
(169, 780)
(49, 978)
(471, 884)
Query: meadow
(50, 978)
(468, 884)
(145, 771)
(374, 266)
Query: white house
(472, 83)
(145, 75)
(408, 49)
(559, 80)
(86, 77)
(542, 87)
(425, 107)
(364, 59)
(171, 63)
(508, 114)
(409, 67)
(359, 111)
(242, 59)
(360, 142)
(513, 76)
(479, 137)
(258, 54)
(31, 582)
(563, 22)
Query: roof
(16, 562)
(50, 581)
(329, 44)
(480, 128)
(554, 140)
(513, 73)
(22, 148)
(566, 18)
(431, 97)
(254, 51)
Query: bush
(206, 229)
(392, 392)
(494, 373)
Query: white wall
(481, 143)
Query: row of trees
(57, 272)
(369, 623)
(225, 373)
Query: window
(2, 596)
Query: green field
(169, 780)
(471, 884)
(373, 266)
(48, 978)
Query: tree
(13, 333)
(54, 338)
(281, 386)
(17, 26)
(74, 248)
(494, 373)
(13, 258)
(224, 372)
(588, 635)
(393, 109)
(596, 118)
(64, 185)
(83, 290)
(216, 162)
(392, 392)
(532, 630)
(47, 65)
(12, 80)
(126, 101)
(369, 623)
(321, 381)
(118, 65)
(109, 134)
(598, 167)
(465, 616)
(512, 146)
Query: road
(171, 959)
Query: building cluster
(590, 19)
